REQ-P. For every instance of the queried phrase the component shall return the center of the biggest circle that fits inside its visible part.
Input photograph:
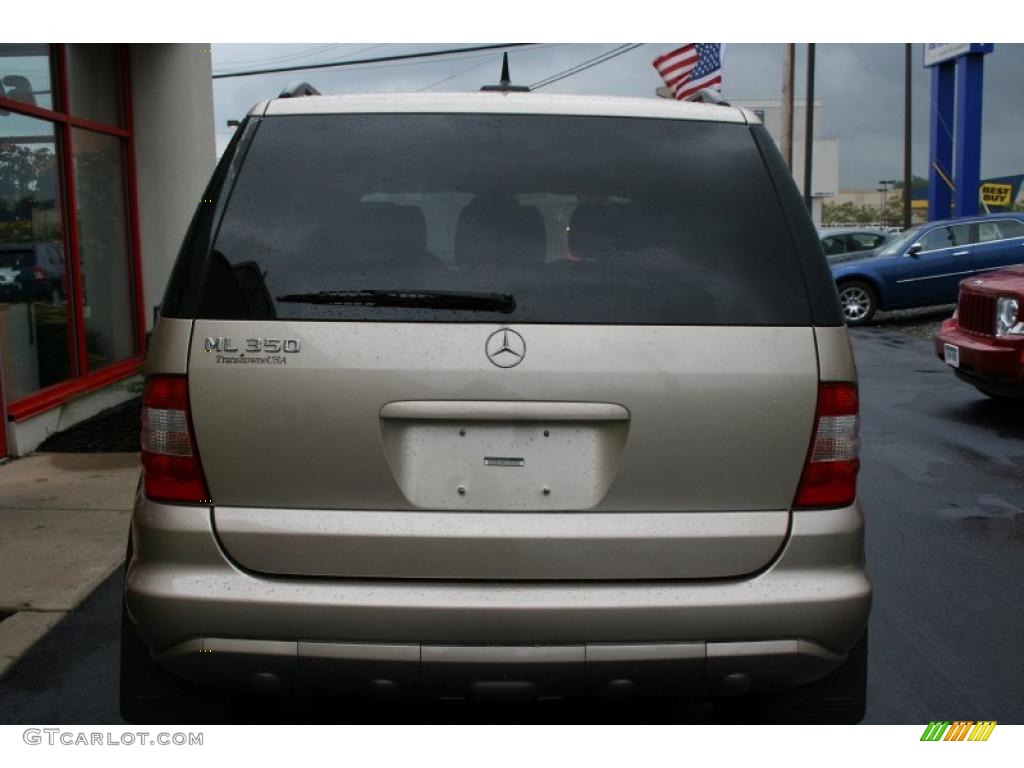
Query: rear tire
(859, 302)
(150, 695)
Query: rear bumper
(209, 620)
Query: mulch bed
(114, 430)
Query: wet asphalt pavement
(942, 485)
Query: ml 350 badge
(257, 351)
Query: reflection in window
(35, 322)
(103, 247)
(25, 75)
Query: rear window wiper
(473, 301)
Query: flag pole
(809, 127)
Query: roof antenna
(505, 86)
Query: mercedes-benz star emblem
(505, 348)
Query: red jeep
(984, 340)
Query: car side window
(833, 245)
(862, 241)
(946, 237)
(1010, 228)
(988, 231)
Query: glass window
(834, 245)
(1004, 229)
(947, 237)
(1011, 228)
(25, 74)
(678, 224)
(35, 323)
(988, 231)
(94, 83)
(863, 241)
(103, 247)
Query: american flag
(692, 68)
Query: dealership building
(104, 153)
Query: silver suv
(499, 395)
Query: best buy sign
(995, 194)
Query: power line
(295, 55)
(551, 78)
(298, 58)
(489, 59)
(375, 60)
(585, 65)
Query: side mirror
(915, 249)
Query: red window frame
(82, 379)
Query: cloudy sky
(861, 86)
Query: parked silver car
(841, 244)
(499, 395)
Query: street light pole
(788, 72)
(809, 128)
(907, 178)
(886, 183)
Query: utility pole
(788, 75)
(907, 178)
(809, 127)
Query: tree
(28, 181)
(849, 213)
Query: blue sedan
(924, 265)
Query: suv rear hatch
(500, 346)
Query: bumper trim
(480, 671)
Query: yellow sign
(995, 194)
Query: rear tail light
(39, 273)
(170, 464)
(830, 473)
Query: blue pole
(967, 159)
(940, 146)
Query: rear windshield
(536, 219)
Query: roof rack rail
(505, 86)
(298, 89)
(708, 96)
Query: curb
(20, 631)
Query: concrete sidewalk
(63, 529)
